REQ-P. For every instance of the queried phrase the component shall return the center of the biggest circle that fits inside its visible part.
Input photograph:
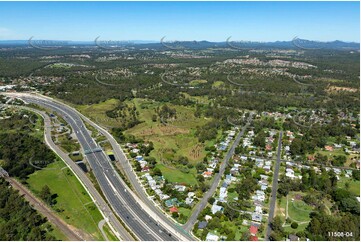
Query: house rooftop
(202, 224)
(253, 229)
(254, 238)
(173, 210)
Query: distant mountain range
(296, 43)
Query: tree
(151, 161)
(245, 236)
(200, 167)
(138, 167)
(260, 139)
(18, 220)
(157, 172)
(274, 236)
(200, 178)
(294, 225)
(45, 195)
(231, 236)
(356, 175)
(277, 229)
(339, 160)
(214, 223)
(154, 118)
(276, 224)
(346, 201)
(211, 200)
(231, 213)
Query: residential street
(274, 187)
(203, 203)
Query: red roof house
(254, 238)
(253, 230)
(173, 210)
(268, 147)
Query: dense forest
(18, 221)
(20, 151)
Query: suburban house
(215, 208)
(212, 237)
(253, 230)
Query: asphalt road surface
(126, 206)
(100, 202)
(203, 203)
(274, 187)
(139, 190)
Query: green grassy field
(240, 230)
(186, 213)
(175, 175)
(197, 82)
(218, 84)
(68, 145)
(170, 141)
(199, 99)
(96, 112)
(299, 210)
(73, 205)
(175, 139)
(109, 233)
(301, 227)
(354, 186)
(58, 234)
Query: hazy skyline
(212, 21)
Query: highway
(151, 207)
(129, 209)
(139, 190)
(203, 203)
(84, 180)
(274, 188)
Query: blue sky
(213, 21)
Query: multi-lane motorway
(135, 214)
(103, 207)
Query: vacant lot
(171, 138)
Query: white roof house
(189, 200)
(222, 194)
(258, 209)
(263, 187)
(190, 194)
(212, 237)
(164, 196)
(180, 188)
(216, 208)
(290, 173)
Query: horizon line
(174, 41)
